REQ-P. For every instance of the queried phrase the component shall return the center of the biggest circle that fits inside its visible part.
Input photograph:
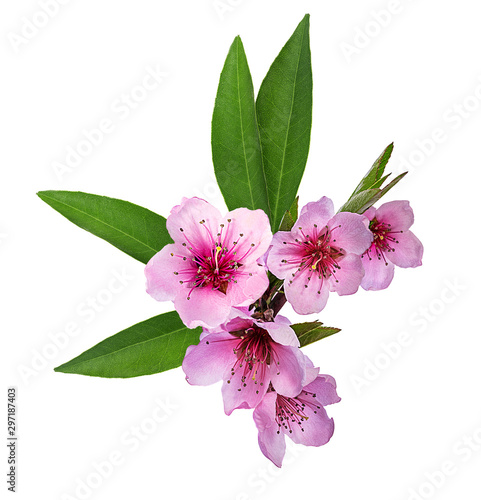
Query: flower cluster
(216, 274)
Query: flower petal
(250, 284)
(397, 213)
(206, 363)
(318, 427)
(311, 371)
(378, 273)
(370, 213)
(408, 252)
(162, 283)
(256, 233)
(347, 279)
(316, 212)
(349, 232)
(271, 442)
(242, 390)
(324, 390)
(284, 248)
(280, 331)
(289, 374)
(207, 307)
(265, 412)
(307, 296)
(184, 223)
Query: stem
(276, 286)
(278, 302)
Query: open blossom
(302, 418)
(393, 244)
(321, 254)
(248, 355)
(212, 264)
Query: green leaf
(366, 199)
(358, 202)
(153, 346)
(284, 113)
(384, 190)
(136, 231)
(312, 332)
(236, 149)
(290, 216)
(373, 178)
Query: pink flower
(247, 355)
(212, 264)
(321, 254)
(393, 244)
(302, 418)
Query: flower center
(291, 412)
(217, 270)
(215, 263)
(255, 352)
(316, 253)
(384, 240)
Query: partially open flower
(302, 418)
(212, 264)
(247, 355)
(393, 244)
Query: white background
(400, 419)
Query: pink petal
(251, 390)
(265, 412)
(252, 282)
(272, 444)
(318, 212)
(206, 363)
(288, 375)
(314, 214)
(349, 275)
(318, 428)
(350, 233)
(184, 223)
(284, 247)
(378, 273)
(397, 213)
(306, 297)
(280, 331)
(324, 388)
(207, 308)
(162, 283)
(238, 323)
(311, 371)
(256, 230)
(370, 213)
(408, 252)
